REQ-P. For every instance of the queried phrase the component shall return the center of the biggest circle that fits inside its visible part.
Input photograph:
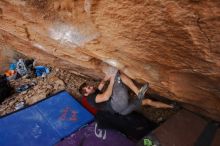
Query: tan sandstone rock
(172, 44)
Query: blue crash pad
(44, 123)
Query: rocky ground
(56, 81)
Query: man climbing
(115, 98)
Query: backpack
(5, 88)
(21, 68)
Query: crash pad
(92, 135)
(44, 123)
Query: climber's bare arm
(102, 83)
(107, 94)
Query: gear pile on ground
(41, 88)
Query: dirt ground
(59, 80)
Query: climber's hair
(82, 91)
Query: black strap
(207, 136)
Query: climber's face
(89, 90)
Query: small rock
(57, 69)
(160, 119)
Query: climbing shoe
(142, 91)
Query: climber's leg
(128, 82)
(155, 104)
(134, 105)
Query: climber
(115, 98)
